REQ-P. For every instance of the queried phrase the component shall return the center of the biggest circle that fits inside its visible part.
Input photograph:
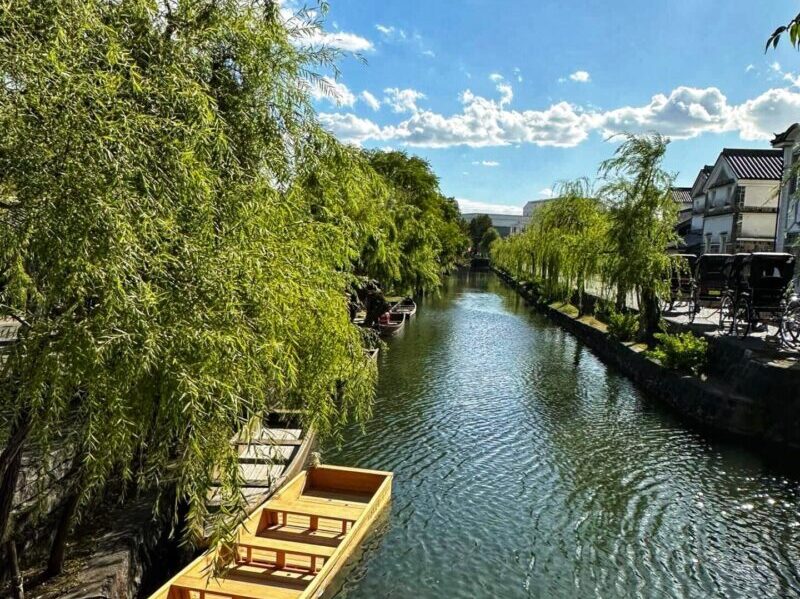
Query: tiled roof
(782, 137)
(682, 195)
(755, 164)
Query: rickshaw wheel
(741, 318)
(693, 308)
(790, 324)
(726, 314)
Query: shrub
(683, 352)
(623, 326)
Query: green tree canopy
(175, 275)
(477, 229)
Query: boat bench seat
(234, 589)
(282, 548)
(314, 511)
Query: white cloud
(775, 66)
(686, 112)
(770, 113)
(496, 77)
(429, 53)
(792, 78)
(581, 76)
(506, 93)
(389, 32)
(333, 91)
(518, 73)
(340, 40)
(370, 100)
(402, 100)
(487, 207)
(750, 67)
(488, 163)
(546, 193)
(484, 122)
(351, 129)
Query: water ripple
(525, 468)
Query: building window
(708, 243)
(723, 242)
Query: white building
(788, 230)
(532, 206)
(505, 224)
(694, 239)
(741, 201)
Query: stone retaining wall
(742, 395)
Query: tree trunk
(650, 313)
(17, 586)
(622, 295)
(58, 549)
(9, 481)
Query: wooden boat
(405, 306)
(269, 457)
(295, 543)
(391, 322)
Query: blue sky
(505, 99)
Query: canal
(524, 467)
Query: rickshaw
(709, 283)
(732, 273)
(764, 295)
(681, 283)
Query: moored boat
(295, 543)
(405, 306)
(391, 322)
(268, 457)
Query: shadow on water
(524, 467)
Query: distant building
(682, 196)
(532, 206)
(694, 239)
(505, 224)
(741, 201)
(787, 237)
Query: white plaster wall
(761, 194)
(758, 225)
(716, 225)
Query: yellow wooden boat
(294, 544)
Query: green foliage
(642, 218)
(176, 233)
(683, 352)
(430, 236)
(563, 246)
(622, 326)
(792, 29)
(489, 237)
(477, 228)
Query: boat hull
(296, 543)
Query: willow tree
(173, 283)
(642, 218)
(429, 230)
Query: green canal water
(524, 467)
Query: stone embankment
(745, 393)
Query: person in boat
(376, 304)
